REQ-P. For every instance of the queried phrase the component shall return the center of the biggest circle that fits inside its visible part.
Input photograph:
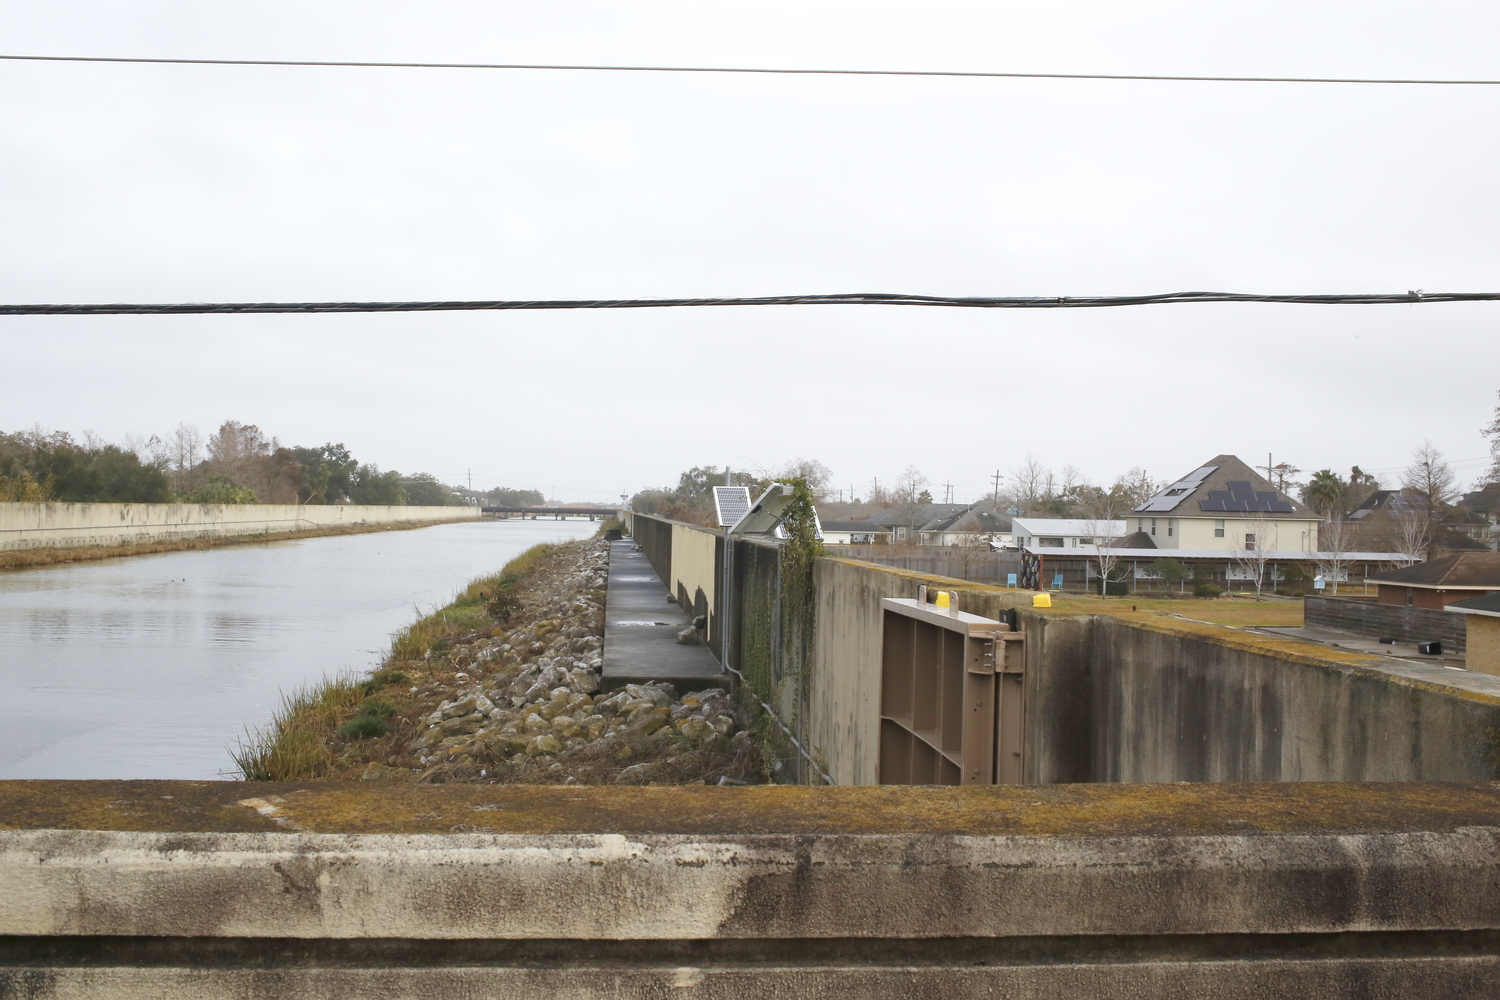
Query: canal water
(152, 666)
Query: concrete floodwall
(695, 572)
(1110, 697)
(86, 525)
(151, 889)
(1363, 616)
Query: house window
(1153, 526)
(1218, 529)
(1250, 542)
(1170, 525)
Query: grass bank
(23, 558)
(1238, 612)
(303, 737)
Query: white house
(1063, 532)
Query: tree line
(237, 463)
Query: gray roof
(1223, 487)
(980, 518)
(867, 526)
(1465, 571)
(917, 514)
(1485, 604)
(1483, 500)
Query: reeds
(299, 742)
(293, 746)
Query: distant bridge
(559, 512)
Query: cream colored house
(1225, 504)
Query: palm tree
(1325, 491)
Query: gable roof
(1066, 526)
(980, 518)
(1464, 571)
(917, 514)
(1483, 500)
(1224, 487)
(1485, 604)
(1135, 540)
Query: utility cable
(844, 299)
(757, 70)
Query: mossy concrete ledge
(219, 889)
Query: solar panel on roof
(731, 503)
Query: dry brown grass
(1239, 612)
(301, 741)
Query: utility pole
(1270, 470)
(947, 493)
(471, 480)
(874, 488)
(997, 485)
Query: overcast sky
(171, 183)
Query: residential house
(979, 522)
(1225, 504)
(854, 533)
(1064, 532)
(1441, 582)
(904, 521)
(1484, 507)
(1462, 528)
(1482, 628)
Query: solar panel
(1198, 475)
(731, 503)
(1168, 499)
(1243, 498)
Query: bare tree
(1136, 487)
(1430, 483)
(1031, 480)
(906, 499)
(973, 549)
(1413, 531)
(1335, 539)
(183, 448)
(1104, 534)
(1253, 556)
(815, 472)
(1493, 433)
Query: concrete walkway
(1364, 644)
(641, 626)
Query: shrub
(364, 727)
(220, 489)
(377, 708)
(1207, 590)
(384, 678)
(1116, 588)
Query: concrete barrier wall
(81, 525)
(694, 574)
(1117, 697)
(147, 890)
(1363, 616)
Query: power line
(842, 299)
(755, 70)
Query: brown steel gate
(952, 705)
